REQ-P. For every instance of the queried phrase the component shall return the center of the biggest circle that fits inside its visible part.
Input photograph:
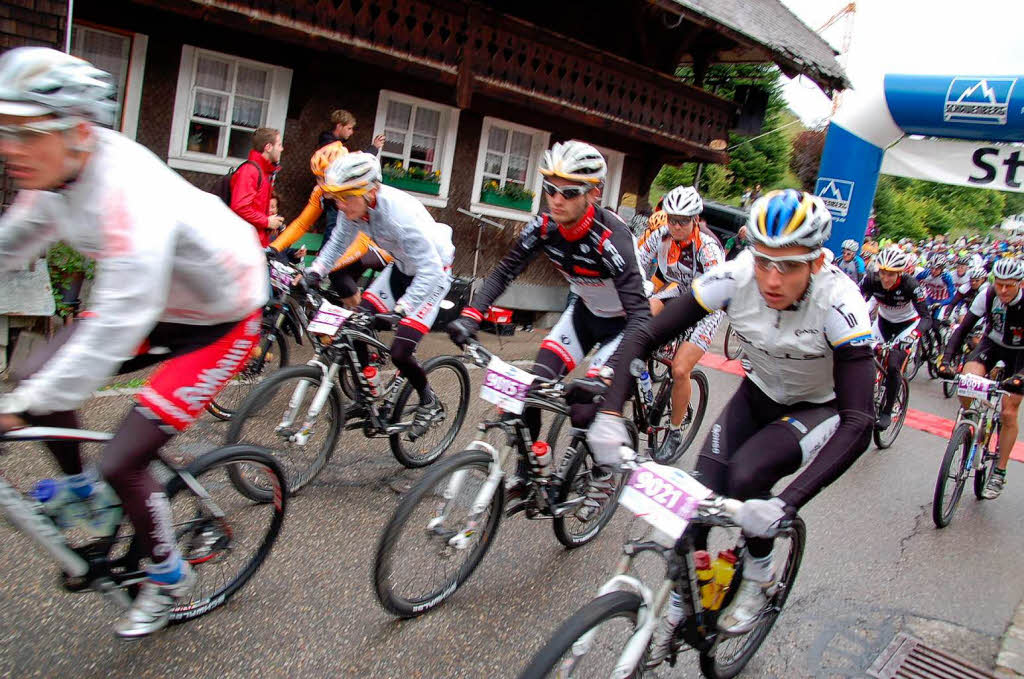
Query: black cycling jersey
(905, 301)
(965, 298)
(597, 256)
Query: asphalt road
(875, 566)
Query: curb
(1010, 661)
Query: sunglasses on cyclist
(682, 221)
(567, 192)
(28, 132)
(784, 265)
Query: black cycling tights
(403, 354)
(750, 447)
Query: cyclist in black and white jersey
(960, 274)
(901, 304)
(965, 294)
(594, 249)
(683, 251)
(807, 398)
(1001, 305)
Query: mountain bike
(905, 342)
(300, 411)
(960, 358)
(611, 635)
(283, 315)
(973, 447)
(224, 536)
(661, 369)
(444, 525)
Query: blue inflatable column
(848, 177)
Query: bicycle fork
(483, 497)
(319, 399)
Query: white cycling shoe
(742, 614)
(151, 609)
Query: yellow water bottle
(724, 568)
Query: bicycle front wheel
(223, 534)
(433, 542)
(449, 380)
(731, 345)
(279, 414)
(984, 471)
(913, 364)
(269, 356)
(953, 472)
(885, 438)
(577, 528)
(729, 655)
(609, 620)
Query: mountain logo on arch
(836, 194)
(978, 100)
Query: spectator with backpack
(252, 184)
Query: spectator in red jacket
(253, 183)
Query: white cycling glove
(606, 437)
(761, 518)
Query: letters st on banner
(982, 165)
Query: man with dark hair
(253, 183)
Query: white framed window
(420, 145)
(613, 180)
(123, 55)
(509, 156)
(221, 99)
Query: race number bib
(280, 277)
(974, 386)
(328, 319)
(663, 496)
(506, 385)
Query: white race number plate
(974, 386)
(328, 319)
(663, 496)
(506, 386)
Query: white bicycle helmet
(574, 160)
(789, 217)
(1009, 269)
(37, 81)
(683, 201)
(850, 244)
(892, 259)
(352, 175)
(977, 272)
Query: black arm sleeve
(629, 282)
(854, 374)
(678, 315)
(921, 307)
(957, 338)
(523, 250)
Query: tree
(806, 157)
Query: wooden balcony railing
(482, 51)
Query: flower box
(416, 185)
(498, 200)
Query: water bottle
(105, 510)
(724, 568)
(542, 454)
(646, 388)
(705, 578)
(373, 377)
(61, 503)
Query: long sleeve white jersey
(165, 251)
(399, 223)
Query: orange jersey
(302, 224)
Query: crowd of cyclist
(805, 403)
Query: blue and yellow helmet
(789, 217)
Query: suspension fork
(329, 375)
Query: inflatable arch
(950, 129)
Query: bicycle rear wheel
(953, 472)
(610, 620)
(885, 438)
(429, 535)
(276, 414)
(661, 414)
(223, 534)
(729, 655)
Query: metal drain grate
(908, 658)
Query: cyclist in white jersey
(683, 252)
(807, 396)
(180, 280)
(413, 285)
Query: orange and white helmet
(324, 156)
(352, 174)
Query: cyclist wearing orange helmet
(363, 254)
